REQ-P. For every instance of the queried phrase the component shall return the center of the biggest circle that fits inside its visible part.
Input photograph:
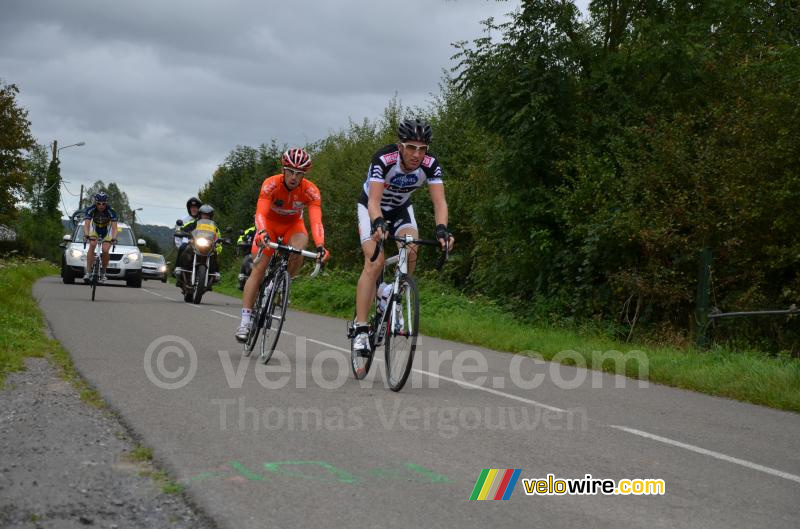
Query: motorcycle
(197, 280)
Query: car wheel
(67, 274)
(134, 283)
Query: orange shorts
(282, 230)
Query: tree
(15, 137)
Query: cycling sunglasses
(294, 172)
(415, 148)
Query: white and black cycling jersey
(397, 185)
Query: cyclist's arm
(113, 229)
(439, 203)
(374, 202)
(87, 227)
(315, 219)
(262, 209)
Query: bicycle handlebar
(290, 249)
(423, 242)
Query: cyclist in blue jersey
(100, 222)
(396, 171)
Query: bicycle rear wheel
(402, 332)
(276, 315)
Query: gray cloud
(162, 91)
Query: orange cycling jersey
(280, 209)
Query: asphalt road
(306, 445)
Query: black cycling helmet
(207, 209)
(194, 201)
(415, 130)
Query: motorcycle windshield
(210, 235)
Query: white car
(124, 263)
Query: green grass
(141, 453)
(21, 321)
(749, 376)
(22, 335)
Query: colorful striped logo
(495, 484)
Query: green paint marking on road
(324, 472)
(430, 474)
(334, 474)
(201, 476)
(410, 472)
(246, 472)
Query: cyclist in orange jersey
(279, 214)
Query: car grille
(115, 256)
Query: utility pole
(80, 200)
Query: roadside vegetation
(747, 375)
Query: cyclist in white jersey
(396, 171)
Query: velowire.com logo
(495, 484)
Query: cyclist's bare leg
(253, 282)
(411, 249)
(90, 256)
(299, 241)
(104, 258)
(365, 291)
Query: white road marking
(640, 433)
(710, 453)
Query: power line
(67, 189)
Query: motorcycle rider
(192, 208)
(243, 245)
(184, 260)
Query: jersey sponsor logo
(298, 205)
(401, 180)
(427, 161)
(279, 202)
(390, 158)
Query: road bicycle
(94, 275)
(269, 310)
(397, 325)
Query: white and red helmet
(296, 158)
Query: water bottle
(384, 289)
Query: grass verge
(22, 335)
(749, 376)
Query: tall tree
(15, 138)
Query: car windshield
(157, 259)
(124, 236)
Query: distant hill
(161, 234)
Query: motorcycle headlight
(76, 254)
(133, 257)
(202, 242)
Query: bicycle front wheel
(276, 315)
(258, 316)
(402, 332)
(95, 278)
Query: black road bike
(269, 310)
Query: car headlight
(202, 242)
(75, 253)
(163, 268)
(133, 257)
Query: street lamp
(133, 212)
(57, 149)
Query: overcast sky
(161, 91)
